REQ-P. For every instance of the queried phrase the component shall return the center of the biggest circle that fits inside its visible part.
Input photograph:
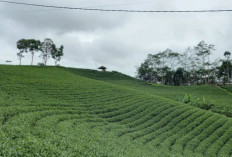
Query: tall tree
(33, 46)
(173, 59)
(22, 45)
(57, 53)
(163, 57)
(168, 61)
(223, 69)
(227, 54)
(168, 75)
(186, 58)
(214, 71)
(20, 56)
(178, 77)
(189, 63)
(144, 72)
(203, 51)
(46, 48)
(25, 45)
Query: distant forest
(192, 67)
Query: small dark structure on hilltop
(102, 68)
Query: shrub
(41, 64)
(201, 103)
(187, 99)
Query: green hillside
(229, 88)
(220, 97)
(50, 111)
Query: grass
(51, 111)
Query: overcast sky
(119, 41)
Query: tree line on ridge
(47, 49)
(191, 67)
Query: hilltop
(57, 111)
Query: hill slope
(49, 111)
(220, 97)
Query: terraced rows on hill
(221, 98)
(48, 111)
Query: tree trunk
(32, 58)
(46, 58)
(228, 72)
(224, 80)
(208, 71)
(20, 60)
(194, 78)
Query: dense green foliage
(51, 111)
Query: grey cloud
(119, 41)
(60, 20)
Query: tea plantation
(219, 96)
(56, 111)
(229, 88)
